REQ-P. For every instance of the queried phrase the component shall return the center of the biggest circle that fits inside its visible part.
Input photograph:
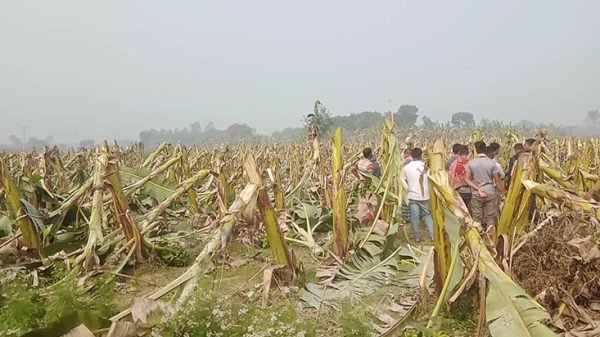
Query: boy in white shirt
(416, 177)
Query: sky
(109, 69)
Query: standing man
(518, 148)
(376, 167)
(492, 151)
(458, 173)
(416, 177)
(407, 157)
(364, 166)
(484, 178)
(455, 149)
(528, 150)
(528, 145)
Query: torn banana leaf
(360, 276)
(158, 188)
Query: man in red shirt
(364, 166)
(458, 172)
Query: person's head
(490, 151)
(518, 147)
(367, 152)
(463, 151)
(407, 153)
(480, 147)
(455, 148)
(417, 153)
(495, 148)
(528, 145)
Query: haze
(109, 69)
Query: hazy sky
(105, 69)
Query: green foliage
(462, 316)
(63, 298)
(263, 241)
(21, 309)
(24, 308)
(104, 295)
(423, 333)
(207, 315)
(353, 322)
(172, 253)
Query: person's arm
(471, 183)
(499, 185)
(355, 171)
(500, 170)
(511, 164)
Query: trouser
(405, 212)
(466, 197)
(420, 209)
(485, 210)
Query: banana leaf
(5, 226)
(34, 215)
(62, 326)
(361, 275)
(158, 188)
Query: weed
(205, 315)
(105, 293)
(172, 254)
(462, 316)
(353, 321)
(24, 308)
(21, 308)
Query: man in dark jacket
(511, 162)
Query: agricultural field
(274, 240)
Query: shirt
(364, 166)
(500, 170)
(449, 162)
(482, 170)
(457, 176)
(511, 164)
(416, 177)
(376, 168)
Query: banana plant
(338, 196)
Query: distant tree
(15, 140)
(592, 118)
(237, 131)
(406, 115)
(87, 143)
(318, 122)
(288, 133)
(195, 127)
(427, 122)
(462, 119)
(210, 127)
(526, 124)
(358, 121)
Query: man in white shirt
(416, 177)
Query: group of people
(479, 180)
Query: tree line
(320, 122)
